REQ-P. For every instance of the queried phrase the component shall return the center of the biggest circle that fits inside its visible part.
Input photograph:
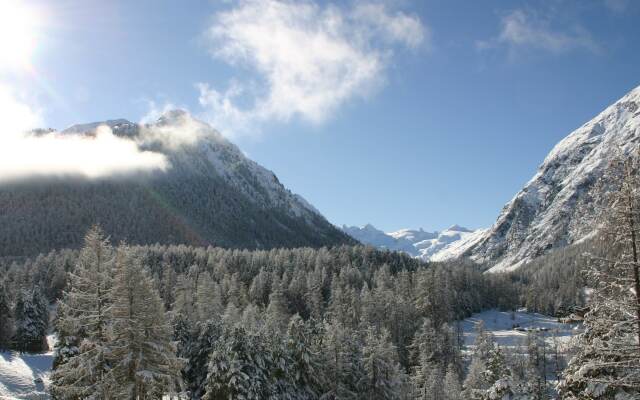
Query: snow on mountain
(549, 212)
(368, 234)
(434, 246)
(449, 244)
(211, 193)
(413, 235)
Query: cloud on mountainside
(310, 59)
(25, 155)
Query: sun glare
(18, 36)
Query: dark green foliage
(32, 321)
(6, 319)
(172, 208)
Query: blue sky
(393, 112)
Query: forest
(347, 322)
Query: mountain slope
(555, 208)
(428, 246)
(210, 195)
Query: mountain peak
(177, 114)
(548, 213)
(92, 126)
(458, 228)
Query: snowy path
(18, 373)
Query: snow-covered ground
(501, 324)
(25, 376)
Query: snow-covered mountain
(433, 246)
(552, 210)
(210, 194)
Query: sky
(391, 112)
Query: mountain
(556, 207)
(370, 235)
(211, 194)
(433, 246)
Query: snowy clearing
(25, 376)
(501, 325)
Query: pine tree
(537, 365)
(32, 317)
(341, 355)
(83, 323)
(208, 298)
(607, 359)
(197, 355)
(144, 363)
(480, 376)
(6, 319)
(380, 361)
(239, 368)
(277, 313)
(303, 349)
(452, 387)
(427, 380)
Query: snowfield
(25, 376)
(501, 325)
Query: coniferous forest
(349, 322)
(319, 200)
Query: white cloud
(310, 59)
(616, 6)
(155, 111)
(521, 29)
(175, 128)
(17, 115)
(24, 154)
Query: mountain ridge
(428, 246)
(557, 205)
(211, 194)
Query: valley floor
(25, 376)
(502, 323)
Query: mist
(91, 156)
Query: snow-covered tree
(31, 320)
(197, 356)
(380, 362)
(341, 356)
(83, 322)
(208, 298)
(607, 359)
(303, 349)
(143, 356)
(6, 318)
(487, 365)
(239, 368)
(452, 387)
(277, 316)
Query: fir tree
(239, 368)
(607, 359)
(144, 363)
(380, 362)
(83, 323)
(32, 316)
(452, 387)
(6, 319)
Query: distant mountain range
(556, 208)
(428, 246)
(212, 194)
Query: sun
(18, 34)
